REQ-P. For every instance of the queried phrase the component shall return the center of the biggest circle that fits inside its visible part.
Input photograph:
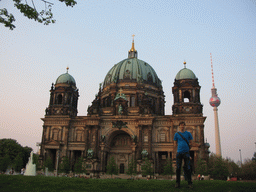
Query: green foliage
(233, 168)
(65, 165)
(79, 168)
(201, 167)
(18, 163)
(168, 169)
(218, 168)
(26, 155)
(254, 157)
(10, 149)
(4, 162)
(132, 168)
(112, 167)
(248, 170)
(6, 18)
(35, 160)
(146, 167)
(49, 164)
(44, 16)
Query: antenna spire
(213, 85)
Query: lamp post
(240, 157)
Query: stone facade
(126, 117)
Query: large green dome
(66, 78)
(185, 74)
(132, 70)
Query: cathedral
(126, 120)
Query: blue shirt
(182, 145)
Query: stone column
(95, 150)
(102, 146)
(171, 132)
(168, 155)
(150, 141)
(157, 162)
(140, 142)
(86, 140)
(72, 158)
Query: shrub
(65, 165)
(168, 169)
(78, 168)
(112, 167)
(132, 168)
(49, 164)
(146, 167)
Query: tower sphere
(214, 101)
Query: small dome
(207, 145)
(66, 78)
(134, 70)
(185, 74)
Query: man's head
(182, 126)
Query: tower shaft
(217, 132)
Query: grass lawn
(19, 183)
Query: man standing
(182, 138)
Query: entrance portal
(121, 168)
(121, 150)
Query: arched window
(59, 99)
(55, 134)
(186, 97)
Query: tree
(168, 169)
(132, 168)
(218, 168)
(11, 148)
(78, 168)
(45, 16)
(201, 167)
(146, 167)
(233, 168)
(65, 165)
(26, 154)
(254, 157)
(248, 170)
(4, 162)
(18, 162)
(112, 167)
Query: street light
(240, 157)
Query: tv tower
(215, 102)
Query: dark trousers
(187, 168)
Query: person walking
(181, 143)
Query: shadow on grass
(40, 183)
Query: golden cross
(133, 37)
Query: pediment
(52, 142)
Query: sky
(93, 36)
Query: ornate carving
(119, 124)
